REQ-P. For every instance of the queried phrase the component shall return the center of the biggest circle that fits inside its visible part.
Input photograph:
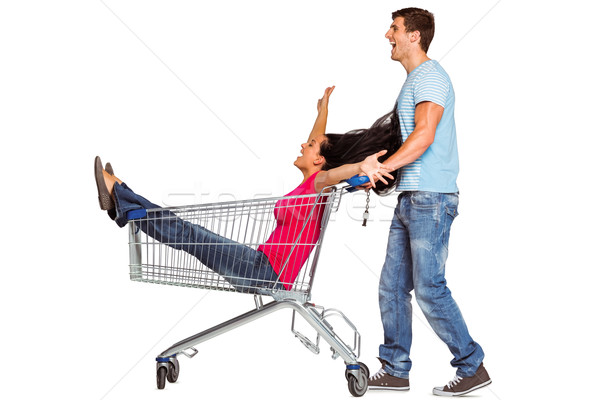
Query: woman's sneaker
(459, 386)
(384, 381)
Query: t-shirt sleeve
(433, 87)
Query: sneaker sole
(389, 388)
(439, 392)
(106, 202)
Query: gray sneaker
(384, 381)
(459, 386)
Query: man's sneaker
(384, 381)
(459, 386)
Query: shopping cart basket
(246, 223)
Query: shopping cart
(247, 223)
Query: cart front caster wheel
(358, 386)
(362, 366)
(161, 374)
(173, 372)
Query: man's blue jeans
(416, 258)
(244, 267)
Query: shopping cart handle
(357, 180)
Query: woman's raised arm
(321, 121)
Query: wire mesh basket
(200, 237)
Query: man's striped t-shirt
(437, 169)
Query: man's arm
(427, 118)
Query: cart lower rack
(265, 247)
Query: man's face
(398, 38)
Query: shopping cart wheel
(358, 386)
(173, 372)
(362, 366)
(161, 374)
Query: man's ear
(414, 36)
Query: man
(427, 205)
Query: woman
(298, 223)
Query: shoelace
(378, 375)
(454, 381)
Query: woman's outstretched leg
(242, 266)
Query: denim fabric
(241, 265)
(416, 258)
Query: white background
(197, 101)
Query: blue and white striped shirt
(437, 169)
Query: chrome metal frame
(297, 299)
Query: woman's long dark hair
(356, 145)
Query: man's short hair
(417, 19)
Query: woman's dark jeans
(240, 265)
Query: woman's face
(310, 154)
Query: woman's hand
(375, 170)
(323, 102)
